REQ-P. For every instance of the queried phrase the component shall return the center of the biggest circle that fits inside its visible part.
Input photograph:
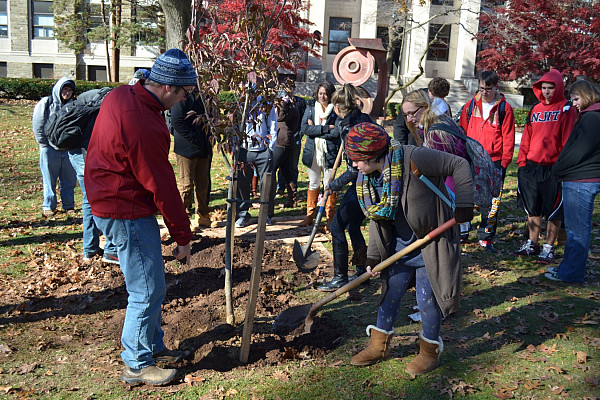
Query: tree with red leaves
(524, 38)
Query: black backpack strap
(470, 110)
(501, 111)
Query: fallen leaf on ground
(190, 379)
(581, 356)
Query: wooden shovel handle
(383, 265)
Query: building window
(439, 50)
(442, 2)
(339, 33)
(3, 19)
(97, 73)
(3, 70)
(44, 71)
(43, 19)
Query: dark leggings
(398, 279)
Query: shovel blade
(306, 259)
(290, 319)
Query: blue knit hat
(173, 68)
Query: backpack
(487, 179)
(71, 127)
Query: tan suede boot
(312, 197)
(428, 358)
(330, 207)
(379, 347)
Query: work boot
(312, 197)
(428, 358)
(330, 209)
(170, 356)
(151, 374)
(340, 270)
(378, 349)
(292, 192)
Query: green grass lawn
(516, 335)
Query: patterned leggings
(399, 277)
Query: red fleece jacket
(127, 170)
(497, 140)
(549, 125)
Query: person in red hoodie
(546, 131)
(129, 179)
(489, 119)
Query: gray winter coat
(47, 106)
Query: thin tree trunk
(107, 23)
(116, 51)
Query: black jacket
(322, 131)
(580, 158)
(354, 117)
(191, 139)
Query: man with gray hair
(129, 179)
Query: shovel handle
(383, 265)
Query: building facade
(453, 21)
(28, 47)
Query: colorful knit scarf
(392, 171)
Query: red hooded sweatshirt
(549, 125)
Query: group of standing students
(382, 185)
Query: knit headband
(366, 141)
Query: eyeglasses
(190, 93)
(411, 113)
(486, 89)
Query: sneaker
(89, 256)
(547, 254)
(151, 374)
(553, 277)
(269, 221)
(487, 245)
(552, 270)
(71, 212)
(167, 355)
(110, 258)
(527, 250)
(48, 213)
(242, 222)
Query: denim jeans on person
(91, 233)
(140, 255)
(348, 216)
(55, 165)
(398, 278)
(578, 206)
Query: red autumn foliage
(524, 38)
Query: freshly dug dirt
(90, 298)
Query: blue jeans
(578, 204)
(55, 165)
(91, 233)
(140, 255)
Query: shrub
(35, 89)
(520, 116)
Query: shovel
(291, 318)
(307, 259)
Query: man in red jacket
(129, 179)
(547, 129)
(489, 119)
